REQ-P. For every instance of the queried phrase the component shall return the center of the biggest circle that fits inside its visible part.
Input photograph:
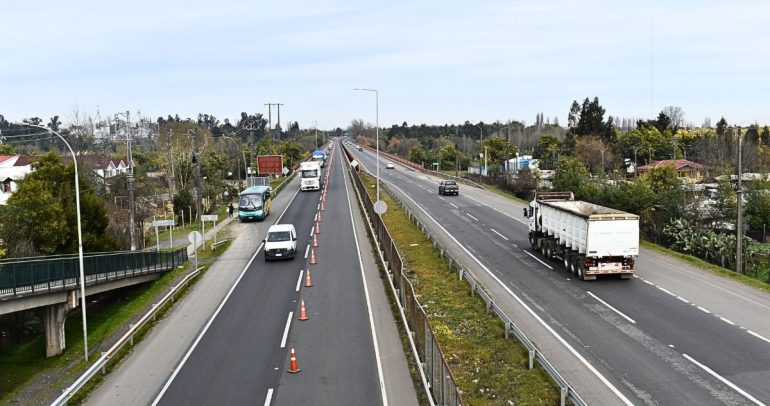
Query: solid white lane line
(612, 308)
(703, 310)
(299, 280)
(538, 259)
(286, 330)
(269, 397)
(758, 336)
(216, 312)
(454, 205)
(540, 320)
(502, 236)
(383, 392)
(471, 216)
(307, 250)
(683, 299)
(727, 321)
(724, 381)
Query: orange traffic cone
(315, 240)
(312, 257)
(317, 228)
(308, 281)
(293, 366)
(319, 218)
(302, 310)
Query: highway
(673, 335)
(348, 351)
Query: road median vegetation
(488, 368)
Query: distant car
(390, 165)
(448, 187)
(360, 148)
(281, 242)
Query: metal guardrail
(510, 327)
(439, 383)
(42, 274)
(128, 338)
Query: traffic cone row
(317, 227)
(302, 310)
(312, 257)
(315, 240)
(308, 281)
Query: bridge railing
(22, 276)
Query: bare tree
(676, 114)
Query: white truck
(310, 174)
(590, 240)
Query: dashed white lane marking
(454, 205)
(727, 321)
(612, 308)
(683, 299)
(269, 397)
(703, 310)
(501, 236)
(725, 381)
(307, 250)
(312, 230)
(286, 330)
(441, 198)
(648, 282)
(299, 280)
(538, 260)
(471, 216)
(665, 290)
(758, 336)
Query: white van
(280, 242)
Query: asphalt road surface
(674, 335)
(227, 340)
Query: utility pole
(197, 169)
(130, 178)
(172, 180)
(269, 115)
(739, 225)
(279, 118)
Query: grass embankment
(26, 360)
(758, 282)
(488, 368)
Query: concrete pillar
(54, 317)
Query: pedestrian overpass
(53, 283)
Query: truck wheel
(566, 256)
(573, 264)
(581, 270)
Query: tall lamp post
(377, 130)
(485, 154)
(739, 225)
(80, 235)
(130, 175)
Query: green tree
(572, 176)
(41, 216)
(499, 150)
(725, 208)
(757, 208)
(418, 154)
(6, 149)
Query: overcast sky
(433, 62)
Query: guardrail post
(460, 272)
(473, 288)
(131, 340)
(507, 330)
(563, 397)
(531, 358)
(104, 366)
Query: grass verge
(106, 322)
(753, 282)
(488, 368)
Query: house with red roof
(691, 171)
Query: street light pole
(739, 226)
(80, 236)
(130, 176)
(481, 140)
(244, 157)
(377, 131)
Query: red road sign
(269, 164)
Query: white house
(12, 170)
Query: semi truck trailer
(589, 240)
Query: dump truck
(588, 239)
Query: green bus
(254, 203)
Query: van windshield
(313, 173)
(278, 236)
